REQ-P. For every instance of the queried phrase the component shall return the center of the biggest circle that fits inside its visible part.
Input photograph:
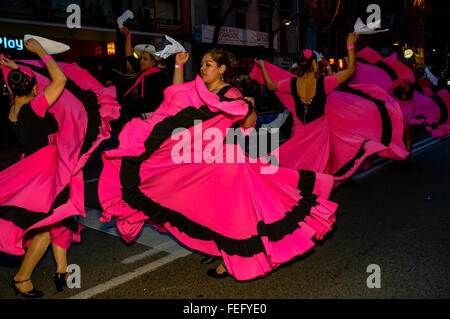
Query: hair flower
(307, 53)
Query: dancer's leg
(408, 138)
(35, 251)
(60, 255)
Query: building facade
(420, 25)
(246, 29)
(97, 37)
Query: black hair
(404, 93)
(305, 64)
(20, 83)
(223, 57)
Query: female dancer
(334, 129)
(60, 113)
(176, 171)
(151, 79)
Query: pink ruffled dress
(177, 171)
(46, 188)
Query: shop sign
(111, 48)
(9, 43)
(408, 53)
(233, 36)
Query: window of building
(168, 12)
(263, 24)
(283, 41)
(286, 4)
(213, 16)
(240, 20)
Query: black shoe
(213, 273)
(409, 160)
(208, 260)
(60, 281)
(28, 294)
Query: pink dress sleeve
(284, 86)
(331, 82)
(39, 104)
(233, 93)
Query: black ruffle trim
(386, 127)
(24, 218)
(382, 65)
(443, 109)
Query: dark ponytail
(21, 84)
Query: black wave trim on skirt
(386, 126)
(136, 199)
(443, 113)
(443, 109)
(382, 65)
(23, 218)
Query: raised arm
(180, 61)
(272, 86)
(346, 74)
(128, 46)
(328, 66)
(58, 80)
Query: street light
(408, 53)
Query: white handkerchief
(319, 56)
(124, 17)
(361, 28)
(172, 48)
(52, 47)
(431, 76)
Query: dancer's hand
(250, 99)
(124, 31)
(7, 62)
(33, 46)
(181, 58)
(351, 38)
(259, 63)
